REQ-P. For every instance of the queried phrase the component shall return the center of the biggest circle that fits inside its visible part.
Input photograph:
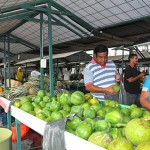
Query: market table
(72, 142)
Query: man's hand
(110, 90)
(141, 75)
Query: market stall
(61, 26)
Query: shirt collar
(93, 61)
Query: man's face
(134, 60)
(19, 70)
(101, 58)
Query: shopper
(132, 81)
(35, 72)
(100, 74)
(67, 73)
(18, 74)
(145, 94)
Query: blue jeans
(133, 99)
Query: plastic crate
(4, 118)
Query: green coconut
(100, 138)
(120, 144)
(137, 131)
(116, 87)
(143, 146)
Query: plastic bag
(122, 94)
(53, 138)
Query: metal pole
(57, 70)
(5, 62)
(26, 72)
(41, 52)
(51, 74)
(122, 59)
(9, 73)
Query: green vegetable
(74, 123)
(96, 107)
(100, 138)
(101, 113)
(143, 146)
(136, 113)
(84, 131)
(120, 144)
(77, 98)
(115, 133)
(54, 106)
(116, 87)
(65, 99)
(56, 115)
(27, 106)
(114, 117)
(90, 121)
(102, 125)
(125, 111)
(89, 113)
(41, 93)
(137, 131)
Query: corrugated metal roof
(81, 24)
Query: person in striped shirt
(100, 74)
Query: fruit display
(13, 93)
(104, 123)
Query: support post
(51, 74)
(9, 73)
(41, 52)
(5, 76)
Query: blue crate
(4, 118)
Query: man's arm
(144, 100)
(129, 77)
(96, 89)
(133, 79)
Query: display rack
(72, 142)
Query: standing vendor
(132, 81)
(18, 75)
(100, 74)
(145, 94)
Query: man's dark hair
(100, 48)
(131, 56)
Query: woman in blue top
(145, 94)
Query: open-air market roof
(76, 24)
(62, 59)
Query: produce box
(13, 83)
